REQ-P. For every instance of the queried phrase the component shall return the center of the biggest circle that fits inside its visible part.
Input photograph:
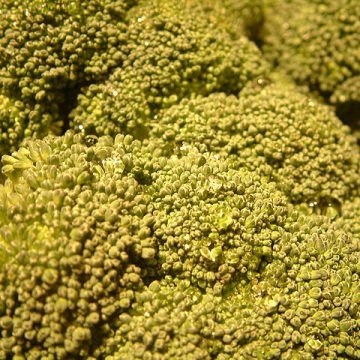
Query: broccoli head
(113, 249)
(213, 221)
(204, 205)
(302, 303)
(318, 46)
(243, 17)
(299, 144)
(74, 242)
(49, 50)
(172, 55)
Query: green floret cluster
(318, 46)
(244, 17)
(176, 181)
(172, 55)
(113, 249)
(48, 51)
(75, 242)
(286, 136)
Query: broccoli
(203, 204)
(49, 50)
(173, 55)
(296, 142)
(90, 227)
(244, 17)
(203, 207)
(13, 115)
(289, 310)
(318, 46)
(75, 242)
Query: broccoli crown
(317, 45)
(296, 142)
(302, 303)
(49, 49)
(237, 17)
(172, 55)
(13, 115)
(74, 242)
(204, 204)
(99, 237)
(213, 222)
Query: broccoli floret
(109, 249)
(204, 205)
(243, 17)
(49, 49)
(173, 55)
(301, 304)
(13, 115)
(75, 242)
(213, 221)
(317, 45)
(289, 137)
(162, 324)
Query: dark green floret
(173, 54)
(317, 45)
(48, 51)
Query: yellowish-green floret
(75, 242)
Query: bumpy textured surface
(173, 54)
(13, 114)
(289, 137)
(237, 17)
(87, 224)
(318, 46)
(300, 303)
(205, 204)
(49, 49)
(74, 243)
(209, 207)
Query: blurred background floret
(318, 46)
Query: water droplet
(185, 147)
(140, 19)
(214, 183)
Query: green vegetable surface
(179, 180)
